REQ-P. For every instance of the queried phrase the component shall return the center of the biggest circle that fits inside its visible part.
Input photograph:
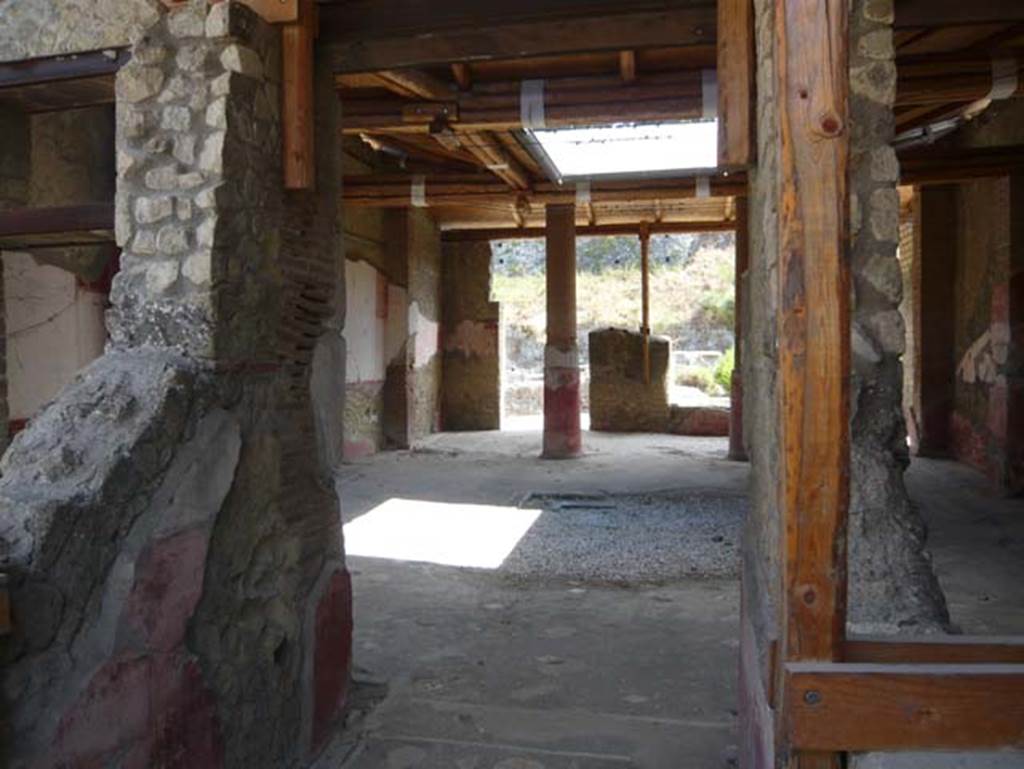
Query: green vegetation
(692, 288)
(724, 368)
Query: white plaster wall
(428, 334)
(54, 328)
(372, 341)
(364, 331)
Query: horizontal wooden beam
(53, 68)
(942, 649)
(56, 219)
(396, 190)
(945, 13)
(941, 165)
(354, 51)
(853, 707)
(655, 228)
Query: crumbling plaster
(165, 521)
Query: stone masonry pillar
(561, 357)
(935, 233)
(737, 450)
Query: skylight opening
(630, 148)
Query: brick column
(935, 234)
(562, 437)
(737, 450)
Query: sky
(631, 148)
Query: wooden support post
(627, 66)
(813, 328)
(562, 437)
(737, 449)
(645, 293)
(297, 116)
(735, 82)
(463, 75)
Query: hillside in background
(692, 290)
(692, 286)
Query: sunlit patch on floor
(479, 536)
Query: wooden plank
(735, 82)
(534, 233)
(691, 26)
(57, 219)
(463, 75)
(935, 649)
(932, 166)
(813, 332)
(70, 67)
(377, 19)
(627, 66)
(297, 119)
(858, 707)
(419, 84)
(276, 11)
(944, 13)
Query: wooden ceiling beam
(664, 228)
(418, 84)
(463, 75)
(627, 66)
(946, 13)
(496, 159)
(490, 39)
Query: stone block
(620, 400)
(136, 82)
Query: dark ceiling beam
(56, 68)
(946, 13)
(490, 39)
(655, 228)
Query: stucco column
(561, 357)
(737, 450)
(935, 232)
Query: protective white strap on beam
(1004, 78)
(709, 93)
(703, 187)
(531, 104)
(418, 191)
(582, 193)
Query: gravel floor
(628, 539)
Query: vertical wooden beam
(737, 450)
(735, 82)
(627, 66)
(645, 294)
(463, 75)
(297, 118)
(813, 331)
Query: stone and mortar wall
(55, 297)
(989, 247)
(892, 587)
(178, 583)
(988, 422)
(14, 185)
(35, 29)
(620, 398)
(423, 380)
(471, 379)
